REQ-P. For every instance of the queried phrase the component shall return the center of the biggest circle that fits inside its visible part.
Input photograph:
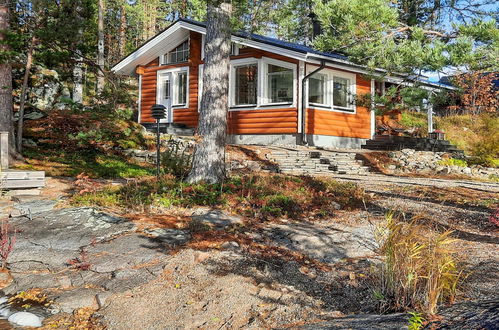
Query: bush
(476, 135)
(177, 159)
(410, 119)
(453, 162)
(418, 271)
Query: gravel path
(381, 179)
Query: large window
(332, 90)
(262, 82)
(279, 84)
(246, 84)
(179, 54)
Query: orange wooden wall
(188, 116)
(262, 121)
(326, 122)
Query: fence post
(4, 150)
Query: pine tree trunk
(100, 47)
(24, 90)
(122, 33)
(6, 124)
(209, 157)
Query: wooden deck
(21, 179)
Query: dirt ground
(137, 274)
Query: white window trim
(164, 57)
(327, 97)
(159, 86)
(232, 81)
(265, 93)
(329, 88)
(262, 98)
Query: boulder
(25, 319)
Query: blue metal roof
(277, 42)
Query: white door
(165, 94)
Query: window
(246, 84)
(179, 54)
(332, 89)
(279, 84)
(256, 83)
(379, 88)
(317, 89)
(341, 97)
(181, 88)
(166, 89)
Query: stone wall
(429, 162)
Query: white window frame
(160, 86)
(331, 73)
(262, 93)
(164, 57)
(327, 96)
(232, 82)
(266, 61)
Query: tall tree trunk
(100, 47)
(122, 33)
(78, 78)
(24, 90)
(209, 157)
(6, 124)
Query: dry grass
(419, 269)
(260, 196)
(81, 319)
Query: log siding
(262, 120)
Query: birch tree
(209, 157)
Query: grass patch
(94, 163)
(419, 269)
(257, 196)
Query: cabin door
(165, 92)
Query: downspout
(303, 101)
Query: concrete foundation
(264, 139)
(296, 139)
(335, 141)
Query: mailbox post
(158, 113)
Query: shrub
(418, 270)
(453, 162)
(177, 159)
(7, 241)
(410, 119)
(476, 135)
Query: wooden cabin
(280, 92)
